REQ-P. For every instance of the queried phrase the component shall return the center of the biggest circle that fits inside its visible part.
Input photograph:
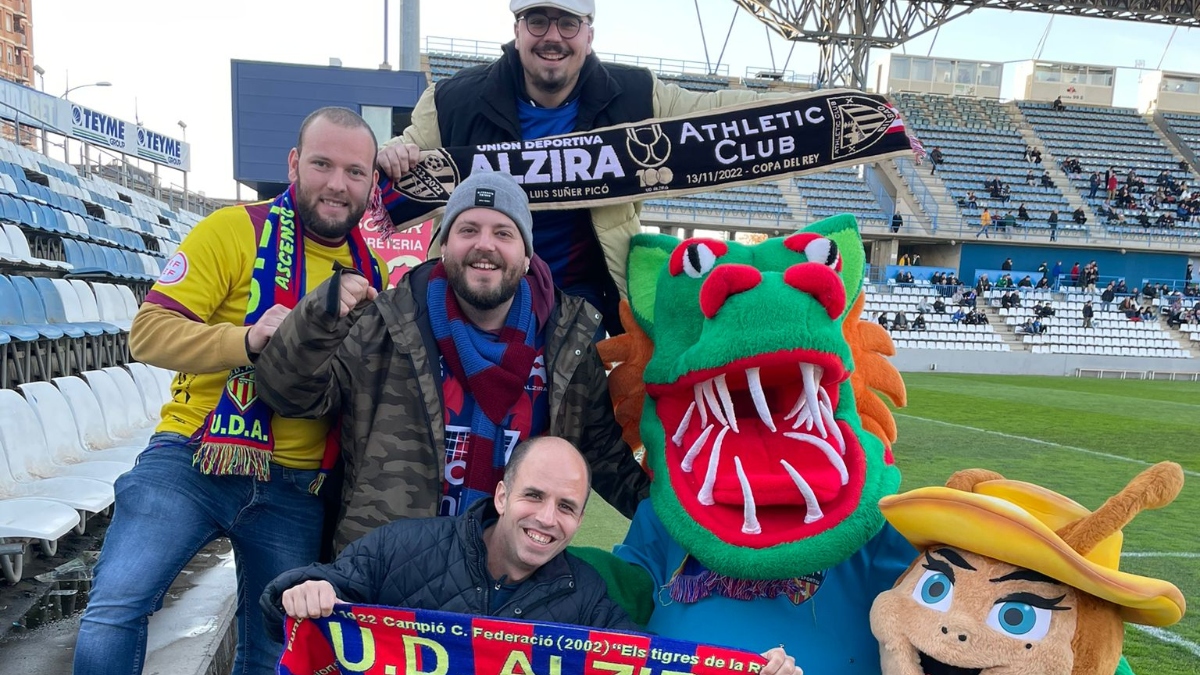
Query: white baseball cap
(584, 8)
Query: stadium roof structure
(846, 30)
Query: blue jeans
(165, 512)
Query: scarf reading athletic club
(236, 438)
(665, 158)
(372, 640)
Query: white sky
(172, 57)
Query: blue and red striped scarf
(493, 371)
(236, 438)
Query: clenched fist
(354, 289)
(262, 331)
(310, 600)
(398, 159)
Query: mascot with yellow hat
(1017, 579)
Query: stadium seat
(154, 394)
(89, 417)
(141, 414)
(24, 518)
(19, 248)
(27, 444)
(62, 434)
(111, 307)
(124, 416)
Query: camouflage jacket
(379, 369)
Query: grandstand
(77, 256)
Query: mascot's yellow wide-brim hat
(1032, 527)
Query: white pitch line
(1039, 441)
(1168, 637)
(1159, 554)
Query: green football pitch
(1083, 438)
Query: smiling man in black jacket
(503, 557)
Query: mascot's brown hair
(1015, 579)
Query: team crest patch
(858, 123)
(432, 179)
(175, 270)
(242, 390)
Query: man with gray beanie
(436, 380)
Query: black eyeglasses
(539, 24)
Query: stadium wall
(270, 100)
(1133, 266)
(1026, 363)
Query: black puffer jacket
(439, 564)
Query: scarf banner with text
(370, 640)
(663, 158)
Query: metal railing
(916, 185)
(658, 65)
(887, 203)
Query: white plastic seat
(22, 434)
(111, 306)
(132, 396)
(124, 416)
(20, 249)
(151, 389)
(87, 300)
(127, 298)
(89, 417)
(27, 518)
(62, 433)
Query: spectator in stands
(1022, 212)
(1150, 291)
(1148, 313)
(958, 316)
(936, 279)
(1044, 282)
(529, 92)
(914, 259)
(1164, 179)
(1026, 327)
(1075, 274)
(1092, 276)
(1120, 289)
(1110, 183)
(1047, 181)
(1135, 182)
(1079, 217)
(918, 323)
(1025, 282)
(985, 223)
(975, 318)
(1071, 167)
(1006, 265)
(1005, 281)
(1033, 155)
(1184, 167)
(1088, 313)
(188, 487)
(1005, 193)
(1128, 307)
(935, 158)
(1108, 295)
(1143, 218)
(903, 260)
(1058, 106)
(1052, 221)
(1006, 301)
(1015, 299)
(882, 320)
(1056, 271)
(900, 322)
(923, 306)
(1043, 268)
(971, 200)
(1175, 312)
(1093, 184)
(1008, 222)
(939, 307)
(970, 298)
(1165, 220)
(1030, 179)
(983, 285)
(1046, 310)
(1038, 327)
(1187, 274)
(897, 222)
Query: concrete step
(1184, 341)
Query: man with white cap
(436, 380)
(548, 82)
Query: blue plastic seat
(50, 322)
(12, 314)
(56, 311)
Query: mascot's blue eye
(1019, 620)
(934, 590)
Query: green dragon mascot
(752, 384)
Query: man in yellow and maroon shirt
(221, 464)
